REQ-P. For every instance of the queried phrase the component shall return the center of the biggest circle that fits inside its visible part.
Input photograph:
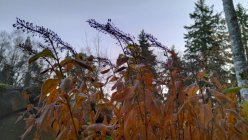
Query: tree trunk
(237, 46)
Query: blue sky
(162, 18)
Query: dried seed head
(66, 85)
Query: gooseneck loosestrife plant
(74, 105)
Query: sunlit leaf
(48, 86)
(192, 90)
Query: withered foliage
(75, 105)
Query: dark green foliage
(32, 77)
(148, 58)
(207, 43)
(14, 67)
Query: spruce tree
(148, 58)
(32, 76)
(207, 42)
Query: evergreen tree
(242, 17)
(11, 62)
(148, 58)
(14, 68)
(207, 42)
(32, 76)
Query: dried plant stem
(145, 119)
(71, 115)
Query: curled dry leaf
(125, 94)
(83, 64)
(97, 127)
(114, 78)
(192, 90)
(121, 60)
(118, 85)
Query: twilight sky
(162, 18)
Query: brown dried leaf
(30, 107)
(105, 71)
(222, 96)
(83, 64)
(76, 122)
(97, 127)
(48, 86)
(120, 69)
(192, 90)
(125, 94)
(148, 78)
(205, 115)
(56, 127)
(121, 60)
(68, 62)
(118, 85)
(62, 135)
(98, 84)
(114, 78)
(130, 123)
(25, 95)
(201, 74)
